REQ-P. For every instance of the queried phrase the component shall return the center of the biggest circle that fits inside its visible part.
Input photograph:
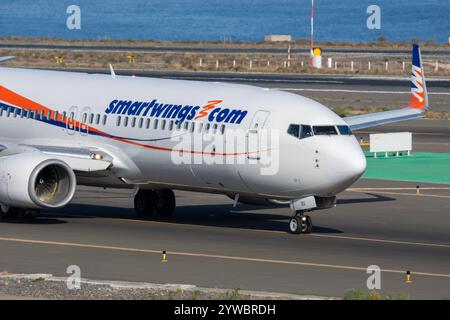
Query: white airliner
(63, 129)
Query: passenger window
(155, 124)
(324, 130)
(147, 125)
(171, 125)
(215, 128)
(133, 122)
(192, 126)
(163, 125)
(16, 112)
(119, 119)
(345, 130)
(179, 125)
(104, 120)
(125, 122)
(91, 118)
(222, 129)
(207, 126)
(186, 125)
(97, 119)
(141, 122)
(84, 117)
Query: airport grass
(356, 294)
(189, 61)
(418, 167)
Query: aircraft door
(72, 114)
(253, 143)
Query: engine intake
(34, 180)
(52, 184)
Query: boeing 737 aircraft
(63, 129)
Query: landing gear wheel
(300, 224)
(165, 202)
(295, 225)
(30, 213)
(144, 202)
(7, 212)
(306, 224)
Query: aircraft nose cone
(356, 163)
(352, 163)
(346, 163)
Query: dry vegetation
(216, 62)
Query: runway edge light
(408, 277)
(164, 256)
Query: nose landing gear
(300, 223)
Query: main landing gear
(161, 200)
(300, 223)
(7, 212)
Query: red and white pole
(312, 32)
(289, 56)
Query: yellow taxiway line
(215, 256)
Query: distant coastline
(380, 43)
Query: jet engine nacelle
(35, 180)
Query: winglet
(419, 95)
(7, 58)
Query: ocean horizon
(232, 20)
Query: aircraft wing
(79, 159)
(418, 101)
(379, 118)
(6, 58)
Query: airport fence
(339, 64)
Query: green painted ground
(420, 166)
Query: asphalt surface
(211, 244)
(218, 50)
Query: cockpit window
(305, 131)
(300, 131)
(345, 130)
(294, 130)
(324, 130)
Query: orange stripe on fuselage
(15, 99)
